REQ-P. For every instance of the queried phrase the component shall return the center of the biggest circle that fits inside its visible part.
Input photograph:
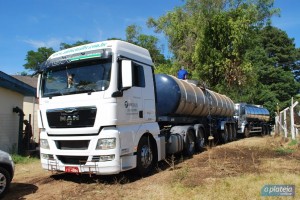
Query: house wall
(30, 108)
(9, 121)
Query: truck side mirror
(127, 74)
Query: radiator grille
(72, 117)
(72, 145)
(75, 160)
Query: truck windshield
(74, 78)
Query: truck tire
(268, 132)
(189, 147)
(234, 132)
(145, 157)
(5, 179)
(229, 128)
(224, 135)
(200, 143)
(246, 132)
(263, 130)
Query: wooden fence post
(292, 118)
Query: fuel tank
(176, 97)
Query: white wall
(9, 121)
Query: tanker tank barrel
(181, 98)
(254, 113)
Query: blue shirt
(182, 74)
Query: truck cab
(96, 103)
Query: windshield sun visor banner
(66, 59)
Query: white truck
(252, 119)
(103, 111)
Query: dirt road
(247, 156)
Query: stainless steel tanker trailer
(252, 119)
(184, 109)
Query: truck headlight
(44, 156)
(44, 144)
(105, 158)
(106, 143)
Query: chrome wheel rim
(2, 183)
(146, 156)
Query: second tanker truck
(103, 111)
(252, 119)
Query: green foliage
(114, 38)
(269, 59)
(284, 151)
(222, 50)
(149, 42)
(78, 43)
(232, 48)
(22, 159)
(211, 38)
(35, 58)
(166, 68)
(181, 30)
(23, 73)
(280, 48)
(293, 143)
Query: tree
(273, 60)
(280, 49)
(149, 42)
(35, 58)
(78, 43)
(212, 37)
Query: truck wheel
(145, 157)
(4, 181)
(234, 132)
(200, 143)
(246, 132)
(267, 130)
(190, 143)
(263, 130)
(224, 135)
(229, 128)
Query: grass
(288, 147)
(247, 185)
(239, 171)
(284, 151)
(18, 159)
(293, 143)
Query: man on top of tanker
(182, 73)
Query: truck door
(131, 107)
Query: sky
(29, 24)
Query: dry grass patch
(237, 170)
